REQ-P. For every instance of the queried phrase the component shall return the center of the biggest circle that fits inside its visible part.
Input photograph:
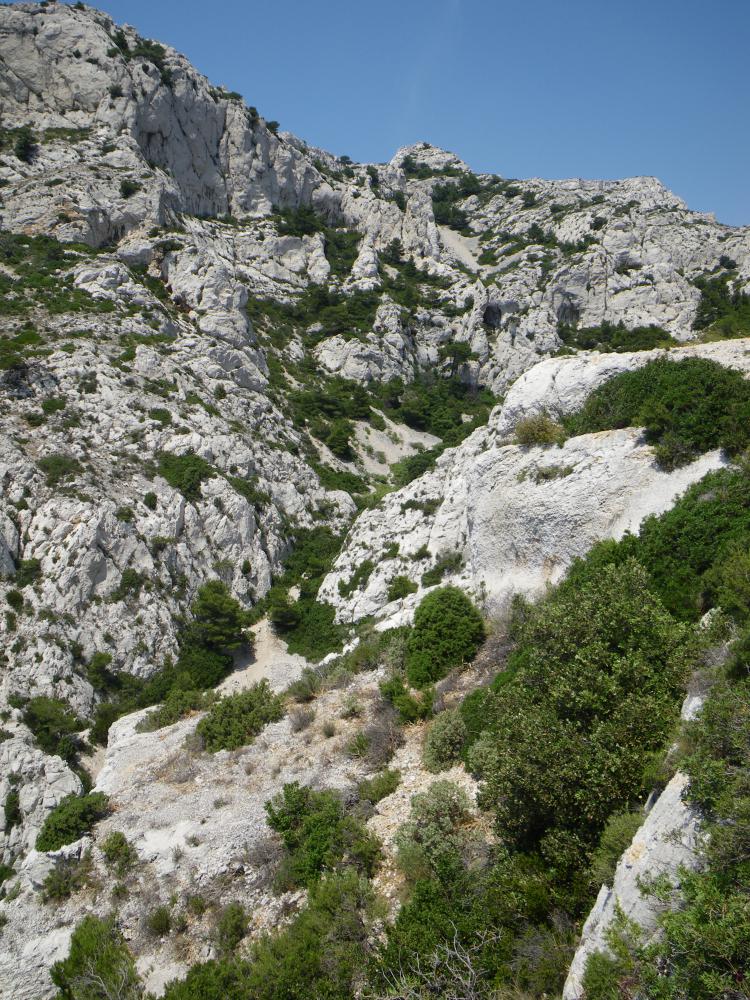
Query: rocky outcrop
(503, 519)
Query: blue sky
(551, 88)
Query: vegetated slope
(219, 347)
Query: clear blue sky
(524, 88)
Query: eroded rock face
(159, 343)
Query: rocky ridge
(181, 324)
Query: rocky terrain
(217, 340)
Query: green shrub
(616, 837)
(71, 820)
(444, 742)
(178, 704)
(219, 621)
(615, 337)
(118, 852)
(59, 468)
(448, 631)
(318, 836)
(538, 429)
(28, 572)
(432, 840)
(159, 921)
(721, 310)
(231, 927)
(307, 685)
(686, 407)
(25, 146)
(15, 600)
(185, 473)
(563, 721)
(235, 720)
(381, 785)
(129, 187)
(323, 953)
(401, 586)
(99, 956)
(12, 810)
(68, 876)
(447, 562)
(54, 726)
(150, 500)
(410, 707)
(358, 578)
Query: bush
(231, 927)
(218, 619)
(616, 837)
(410, 707)
(178, 704)
(71, 819)
(185, 473)
(150, 500)
(686, 407)
(159, 921)
(54, 726)
(379, 787)
(401, 586)
(565, 739)
(68, 876)
(128, 187)
(24, 146)
(432, 841)
(59, 468)
(318, 836)
(448, 631)
(98, 954)
(234, 721)
(615, 337)
(445, 741)
(118, 852)
(28, 572)
(539, 429)
(12, 809)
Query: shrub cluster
(448, 631)
(71, 819)
(235, 720)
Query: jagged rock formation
(182, 320)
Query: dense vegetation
(686, 407)
(615, 337)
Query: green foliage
(615, 337)
(67, 877)
(177, 704)
(129, 187)
(218, 619)
(687, 408)
(159, 921)
(235, 720)
(98, 964)
(54, 725)
(431, 842)
(28, 572)
(448, 631)
(118, 852)
(25, 146)
(59, 468)
(565, 740)
(445, 198)
(379, 787)
(231, 927)
(411, 707)
(150, 500)
(185, 473)
(71, 819)
(616, 837)
(444, 742)
(539, 429)
(358, 579)
(689, 551)
(318, 836)
(447, 562)
(401, 586)
(322, 955)
(723, 311)
(12, 809)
